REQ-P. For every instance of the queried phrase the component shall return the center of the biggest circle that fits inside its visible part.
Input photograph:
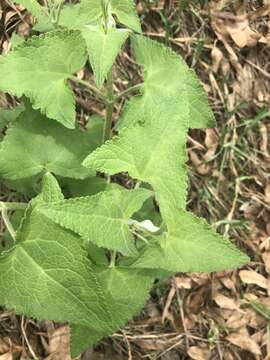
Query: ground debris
(193, 316)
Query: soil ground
(193, 316)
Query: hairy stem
(56, 13)
(113, 258)
(107, 129)
(8, 224)
(105, 11)
(110, 100)
(4, 207)
(12, 206)
(91, 87)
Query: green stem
(4, 207)
(8, 224)
(12, 206)
(107, 129)
(129, 90)
(113, 258)
(140, 236)
(110, 100)
(57, 13)
(89, 86)
(138, 184)
(105, 11)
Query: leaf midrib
(20, 246)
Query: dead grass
(197, 316)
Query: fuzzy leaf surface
(126, 13)
(84, 13)
(7, 116)
(33, 145)
(103, 48)
(89, 186)
(47, 262)
(153, 151)
(51, 191)
(89, 12)
(102, 218)
(167, 78)
(190, 245)
(39, 69)
(126, 292)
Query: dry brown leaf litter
(195, 316)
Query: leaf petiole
(89, 86)
(4, 207)
(8, 223)
(129, 90)
(12, 206)
(113, 258)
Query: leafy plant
(90, 260)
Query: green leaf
(149, 212)
(86, 187)
(44, 25)
(126, 291)
(86, 12)
(51, 191)
(7, 116)
(7, 241)
(126, 13)
(49, 261)
(154, 152)
(39, 69)
(16, 40)
(167, 78)
(96, 254)
(29, 187)
(90, 12)
(260, 308)
(103, 48)
(190, 245)
(34, 145)
(102, 218)
(40, 12)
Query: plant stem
(8, 224)
(57, 13)
(107, 129)
(89, 86)
(129, 90)
(105, 11)
(110, 100)
(12, 206)
(138, 184)
(113, 258)
(4, 207)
